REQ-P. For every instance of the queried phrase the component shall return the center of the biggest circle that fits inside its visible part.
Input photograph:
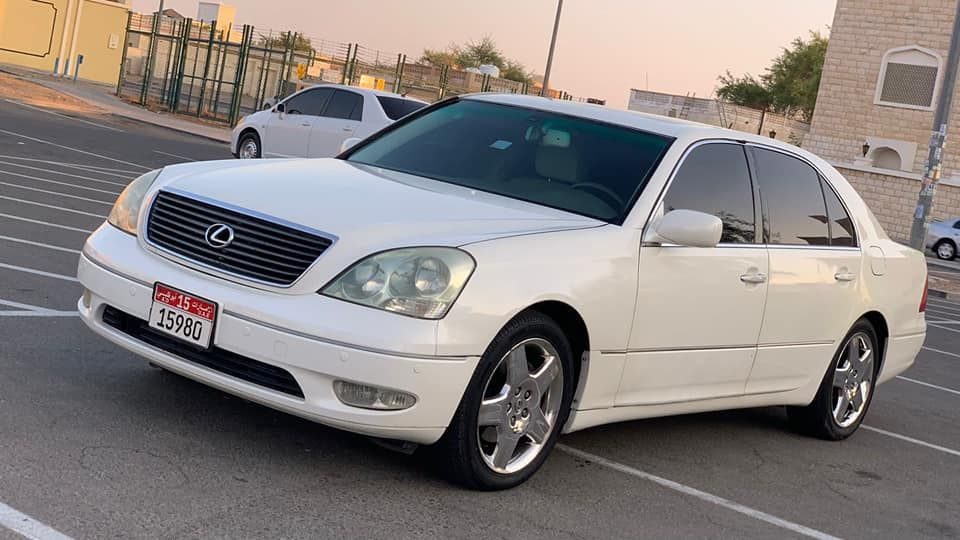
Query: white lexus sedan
(493, 271)
(317, 120)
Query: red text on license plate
(182, 301)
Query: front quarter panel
(594, 271)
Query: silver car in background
(943, 237)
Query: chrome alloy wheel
(249, 149)
(946, 251)
(520, 407)
(853, 380)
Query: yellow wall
(98, 23)
(25, 32)
(26, 27)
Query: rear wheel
(846, 390)
(513, 410)
(249, 146)
(946, 250)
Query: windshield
(397, 108)
(573, 164)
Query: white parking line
(918, 442)
(935, 300)
(63, 115)
(31, 310)
(943, 328)
(36, 272)
(945, 389)
(948, 321)
(173, 155)
(940, 307)
(59, 194)
(75, 186)
(47, 223)
(947, 353)
(26, 526)
(95, 168)
(38, 244)
(72, 149)
(62, 209)
(694, 492)
(31, 167)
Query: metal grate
(909, 84)
(217, 359)
(262, 250)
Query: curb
(166, 126)
(953, 297)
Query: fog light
(86, 298)
(372, 397)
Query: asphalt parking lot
(95, 443)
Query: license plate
(182, 315)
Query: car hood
(366, 208)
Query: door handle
(348, 129)
(845, 276)
(305, 124)
(754, 278)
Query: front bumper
(314, 362)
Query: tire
(471, 458)
(945, 250)
(822, 418)
(249, 146)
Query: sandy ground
(22, 91)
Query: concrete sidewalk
(102, 96)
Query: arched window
(909, 78)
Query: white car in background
(496, 270)
(316, 121)
(943, 238)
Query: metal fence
(223, 72)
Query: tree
(282, 41)
(789, 85)
(746, 91)
(475, 54)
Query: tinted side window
(957, 224)
(296, 104)
(793, 207)
(842, 232)
(714, 179)
(346, 105)
(313, 101)
(397, 108)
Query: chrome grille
(261, 250)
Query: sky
(605, 47)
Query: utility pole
(553, 44)
(931, 177)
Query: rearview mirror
(349, 143)
(280, 108)
(687, 228)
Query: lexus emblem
(219, 235)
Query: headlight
(420, 282)
(126, 211)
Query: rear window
(397, 108)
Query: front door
(699, 310)
(815, 267)
(338, 122)
(288, 133)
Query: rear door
(337, 123)
(288, 133)
(815, 264)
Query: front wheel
(846, 390)
(514, 408)
(249, 146)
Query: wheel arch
(573, 326)
(879, 323)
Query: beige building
(51, 35)
(874, 115)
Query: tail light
(923, 300)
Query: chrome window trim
(219, 272)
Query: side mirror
(349, 143)
(687, 228)
(280, 108)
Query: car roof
(366, 91)
(664, 125)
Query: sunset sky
(605, 47)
